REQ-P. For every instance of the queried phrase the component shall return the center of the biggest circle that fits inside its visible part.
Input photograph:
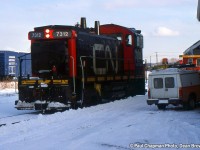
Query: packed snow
(123, 124)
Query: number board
(36, 35)
(61, 34)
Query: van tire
(161, 106)
(190, 104)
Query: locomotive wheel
(91, 97)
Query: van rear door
(164, 87)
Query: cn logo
(104, 54)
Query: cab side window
(129, 40)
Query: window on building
(190, 61)
(198, 61)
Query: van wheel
(190, 104)
(161, 106)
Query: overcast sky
(169, 26)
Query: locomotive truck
(75, 66)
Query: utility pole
(156, 58)
(150, 61)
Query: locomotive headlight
(47, 30)
(47, 35)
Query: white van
(174, 86)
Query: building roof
(193, 50)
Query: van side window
(158, 83)
(169, 82)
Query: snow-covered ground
(119, 125)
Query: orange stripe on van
(180, 93)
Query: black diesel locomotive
(78, 66)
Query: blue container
(9, 63)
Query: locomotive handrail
(128, 61)
(73, 74)
(83, 78)
(99, 58)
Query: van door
(157, 89)
(171, 87)
(164, 87)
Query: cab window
(128, 40)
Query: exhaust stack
(83, 23)
(96, 27)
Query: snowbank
(123, 124)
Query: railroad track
(4, 124)
(18, 115)
(14, 122)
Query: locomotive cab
(52, 54)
